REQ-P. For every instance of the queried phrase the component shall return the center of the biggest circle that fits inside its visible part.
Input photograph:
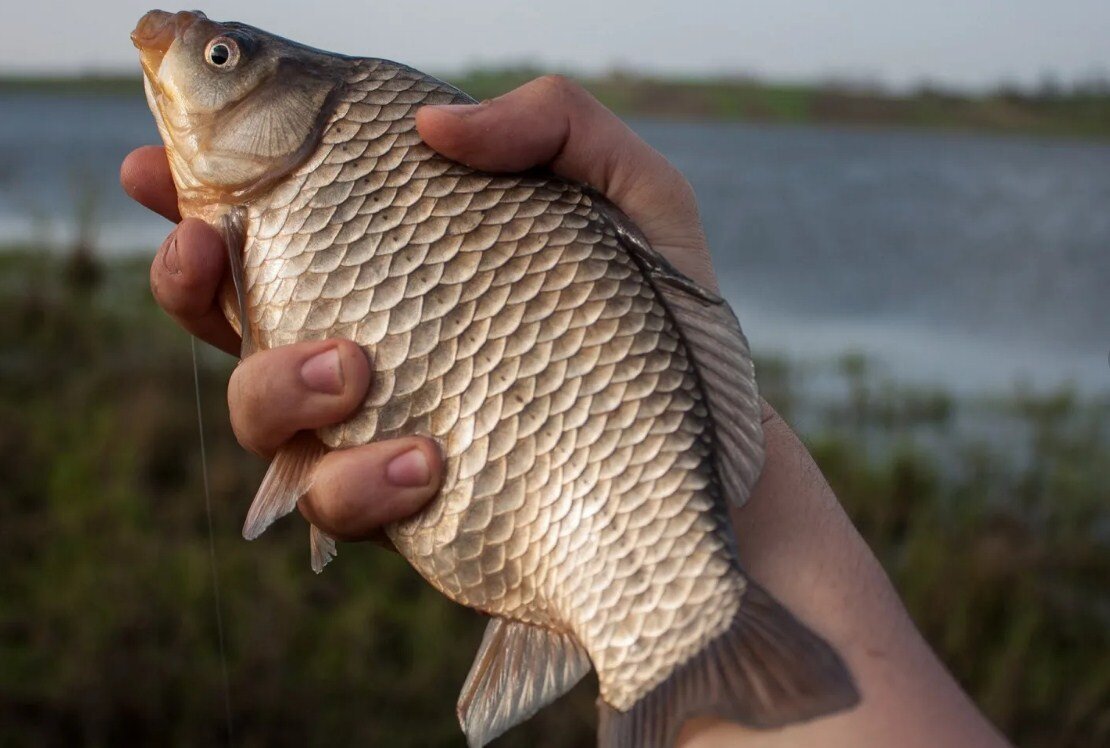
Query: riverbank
(1081, 112)
(999, 545)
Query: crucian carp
(597, 410)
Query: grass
(107, 631)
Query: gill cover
(237, 107)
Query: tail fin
(766, 670)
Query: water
(57, 151)
(966, 261)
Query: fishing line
(212, 544)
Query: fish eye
(222, 52)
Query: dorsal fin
(520, 668)
(720, 352)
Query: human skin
(795, 538)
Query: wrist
(797, 541)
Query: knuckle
(344, 512)
(180, 293)
(682, 187)
(560, 88)
(236, 407)
(686, 192)
(155, 284)
(337, 512)
(247, 399)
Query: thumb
(555, 123)
(550, 121)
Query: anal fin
(287, 480)
(520, 668)
(766, 670)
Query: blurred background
(908, 205)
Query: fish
(597, 410)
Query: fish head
(237, 107)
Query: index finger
(145, 176)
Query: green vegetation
(107, 631)
(1080, 112)
(1083, 111)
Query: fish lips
(156, 32)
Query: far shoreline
(1080, 112)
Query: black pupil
(219, 54)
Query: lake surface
(967, 261)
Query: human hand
(554, 123)
(795, 538)
(548, 122)
(275, 393)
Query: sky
(969, 44)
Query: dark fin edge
(720, 352)
(287, 480)
(766, 670)
(519, 669)
(724, 366)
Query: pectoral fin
(233, 232)
(519, 669)
(287, 480)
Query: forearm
(796, 540)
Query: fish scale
(596, 410)
(458, 543)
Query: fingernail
(323, 372)
(409, 469)
(169, 254)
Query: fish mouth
(154, 34)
